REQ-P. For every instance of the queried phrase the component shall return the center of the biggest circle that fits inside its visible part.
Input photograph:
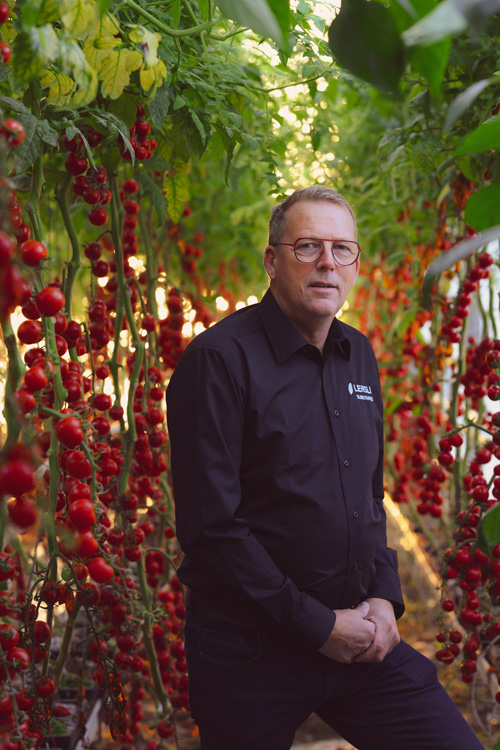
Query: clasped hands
(364, 634)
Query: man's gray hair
(277, 223)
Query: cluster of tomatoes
(5, 50)
(455, 316)
(142, 145)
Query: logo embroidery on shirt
(362, 392)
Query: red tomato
(50, 301)
(131, 186)
(98, 216)
(22, 512)
(35, 379)
(131, 207)
(9, 636)
(75, 165)
(24, 700)
(6, 249)
(16, 478)
(45, 687)
(85, 543)
(41, 631)
(29, 332)
(19, 658)
(81, 514)
(69, 432)
(77, 464)
(102, 401)
(4, 11)
(33, 252)
(99, 570)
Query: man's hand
(352, 634)
(386, 631)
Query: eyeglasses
(309, 249)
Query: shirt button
(346, 462)
(336, 413)
(355, 566)
(355, 514)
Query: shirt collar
(285, 339)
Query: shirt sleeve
(386, 584)
(206, 421)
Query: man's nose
(327, 258)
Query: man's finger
(364, 608)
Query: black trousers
(249, 691)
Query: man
(275, 420)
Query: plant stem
(16, 370)
(62, 198)
(167, 29)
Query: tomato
(41, 631)
(131, 186)
(25, 400)
(93, 137)
(81, 514)
(100, 268)
(50, 301)
(33, 252)
(4, 11)
(99, 570)
(142, 128)
(69, 431)
(75, 165)
(76, 464)
(89, 594)
(98, 216)
(85, 543)
(9, 636)
(24, 701)
(35, 379)
(19, 658)
(92, 196)
(93, 250)
(6, 249)
(22, 512)
(7, 567)
(131, 207)
(102, 401)
(6, 53)
(23, 233)
(45, 687)
(80, 185)
(16, 478)
(29, 332)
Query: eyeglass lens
(344, 252)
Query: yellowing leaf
(115, 70)
(176, 190)
(106, 29)
(60, 87)
(74, 63)
(153, 77)
(148, 43)
(81, 17)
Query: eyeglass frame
(322, 240)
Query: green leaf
(484, 138)
(444, 21)
(40, 12)
(454, 255)
(46, 133)
(175, 11)
(364, 39)
(159, 106)
(115, 70)
(124, 107)
(15, 105)
(74, 63)
(464, 100)
(32, 147)
(110, 120)
(281, 11)
(256, 14)
(481, 211)
(431, 62)
(150, 188)
(204, 6)
(488, 531)
(4, 72)
(176, 190)
(32, 52)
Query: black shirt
(277, 456)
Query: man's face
(311, 294)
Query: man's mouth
(322, 285)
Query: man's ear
(270, 261)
